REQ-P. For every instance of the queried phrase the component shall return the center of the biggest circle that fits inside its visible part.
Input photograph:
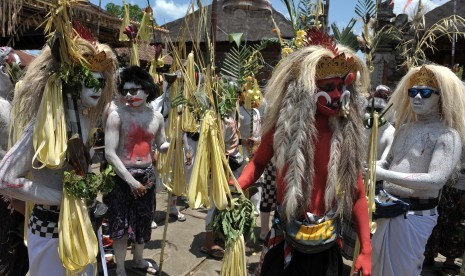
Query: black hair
(141, 77)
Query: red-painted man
(313, 128)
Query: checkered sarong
(268, 202)
(44, 229)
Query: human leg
(209, 246)
(174, 211)
(119, 248)
(139, 262)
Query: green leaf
(236, 38)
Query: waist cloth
(128, 214)
(280, 258)
(399, 243)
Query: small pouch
(388, 206)
(313, 234)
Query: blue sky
(340, 11)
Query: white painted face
(134, 94)
(424, 102)
(90, 96)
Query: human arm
(445, 156)
(360, 214)
(387, 140)
(160, 137)
(112, 129)
(257, 165)
(14, 167)
(187, 149)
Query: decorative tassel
(145, 30)
(134, 60)
(122, 31)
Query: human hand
(363, 263)
(140, 191)
(188, 158)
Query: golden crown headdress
(424, 77)
(328, 67)
(98, 62)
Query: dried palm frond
(9, 16)
(414, 49)
(58, 26)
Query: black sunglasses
(424, 92)
(132, 91)
(330, 87)
(100, 85)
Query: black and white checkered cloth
(44, 229)
(268, 202)
(72, 116)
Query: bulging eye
(3, 70)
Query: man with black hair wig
(131, 134)
(141, 78)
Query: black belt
(45, 215)
(420, 204)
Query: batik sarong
(127, 214)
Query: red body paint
(138, 144)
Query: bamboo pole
(369, 181)
(165, 230)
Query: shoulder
(155, 114)
(114, 116)
(449, 133)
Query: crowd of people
(303, 149)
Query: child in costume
(131, 132)
(313, 129)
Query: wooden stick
(165, 230)
(369, 181)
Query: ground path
(182, 251)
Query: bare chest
(412, 150)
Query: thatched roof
(25, 35)
(254, 24)
(444, 11)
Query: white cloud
(167, 10)
(428, 5)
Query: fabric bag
(313, 234)
(388, 206)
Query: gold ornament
(424, 77)
(98, 62)
(337, 67)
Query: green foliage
(236, 221)
(88, 186)
(308, 11)
(366, 9)
(347, 36)
(227, 98)
(14, 71)
(135, 12)
(290, 6)
(243, 61)
(236, 38)
(74, 75)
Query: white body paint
(423, 155)
(5, 108)
(119, 125)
